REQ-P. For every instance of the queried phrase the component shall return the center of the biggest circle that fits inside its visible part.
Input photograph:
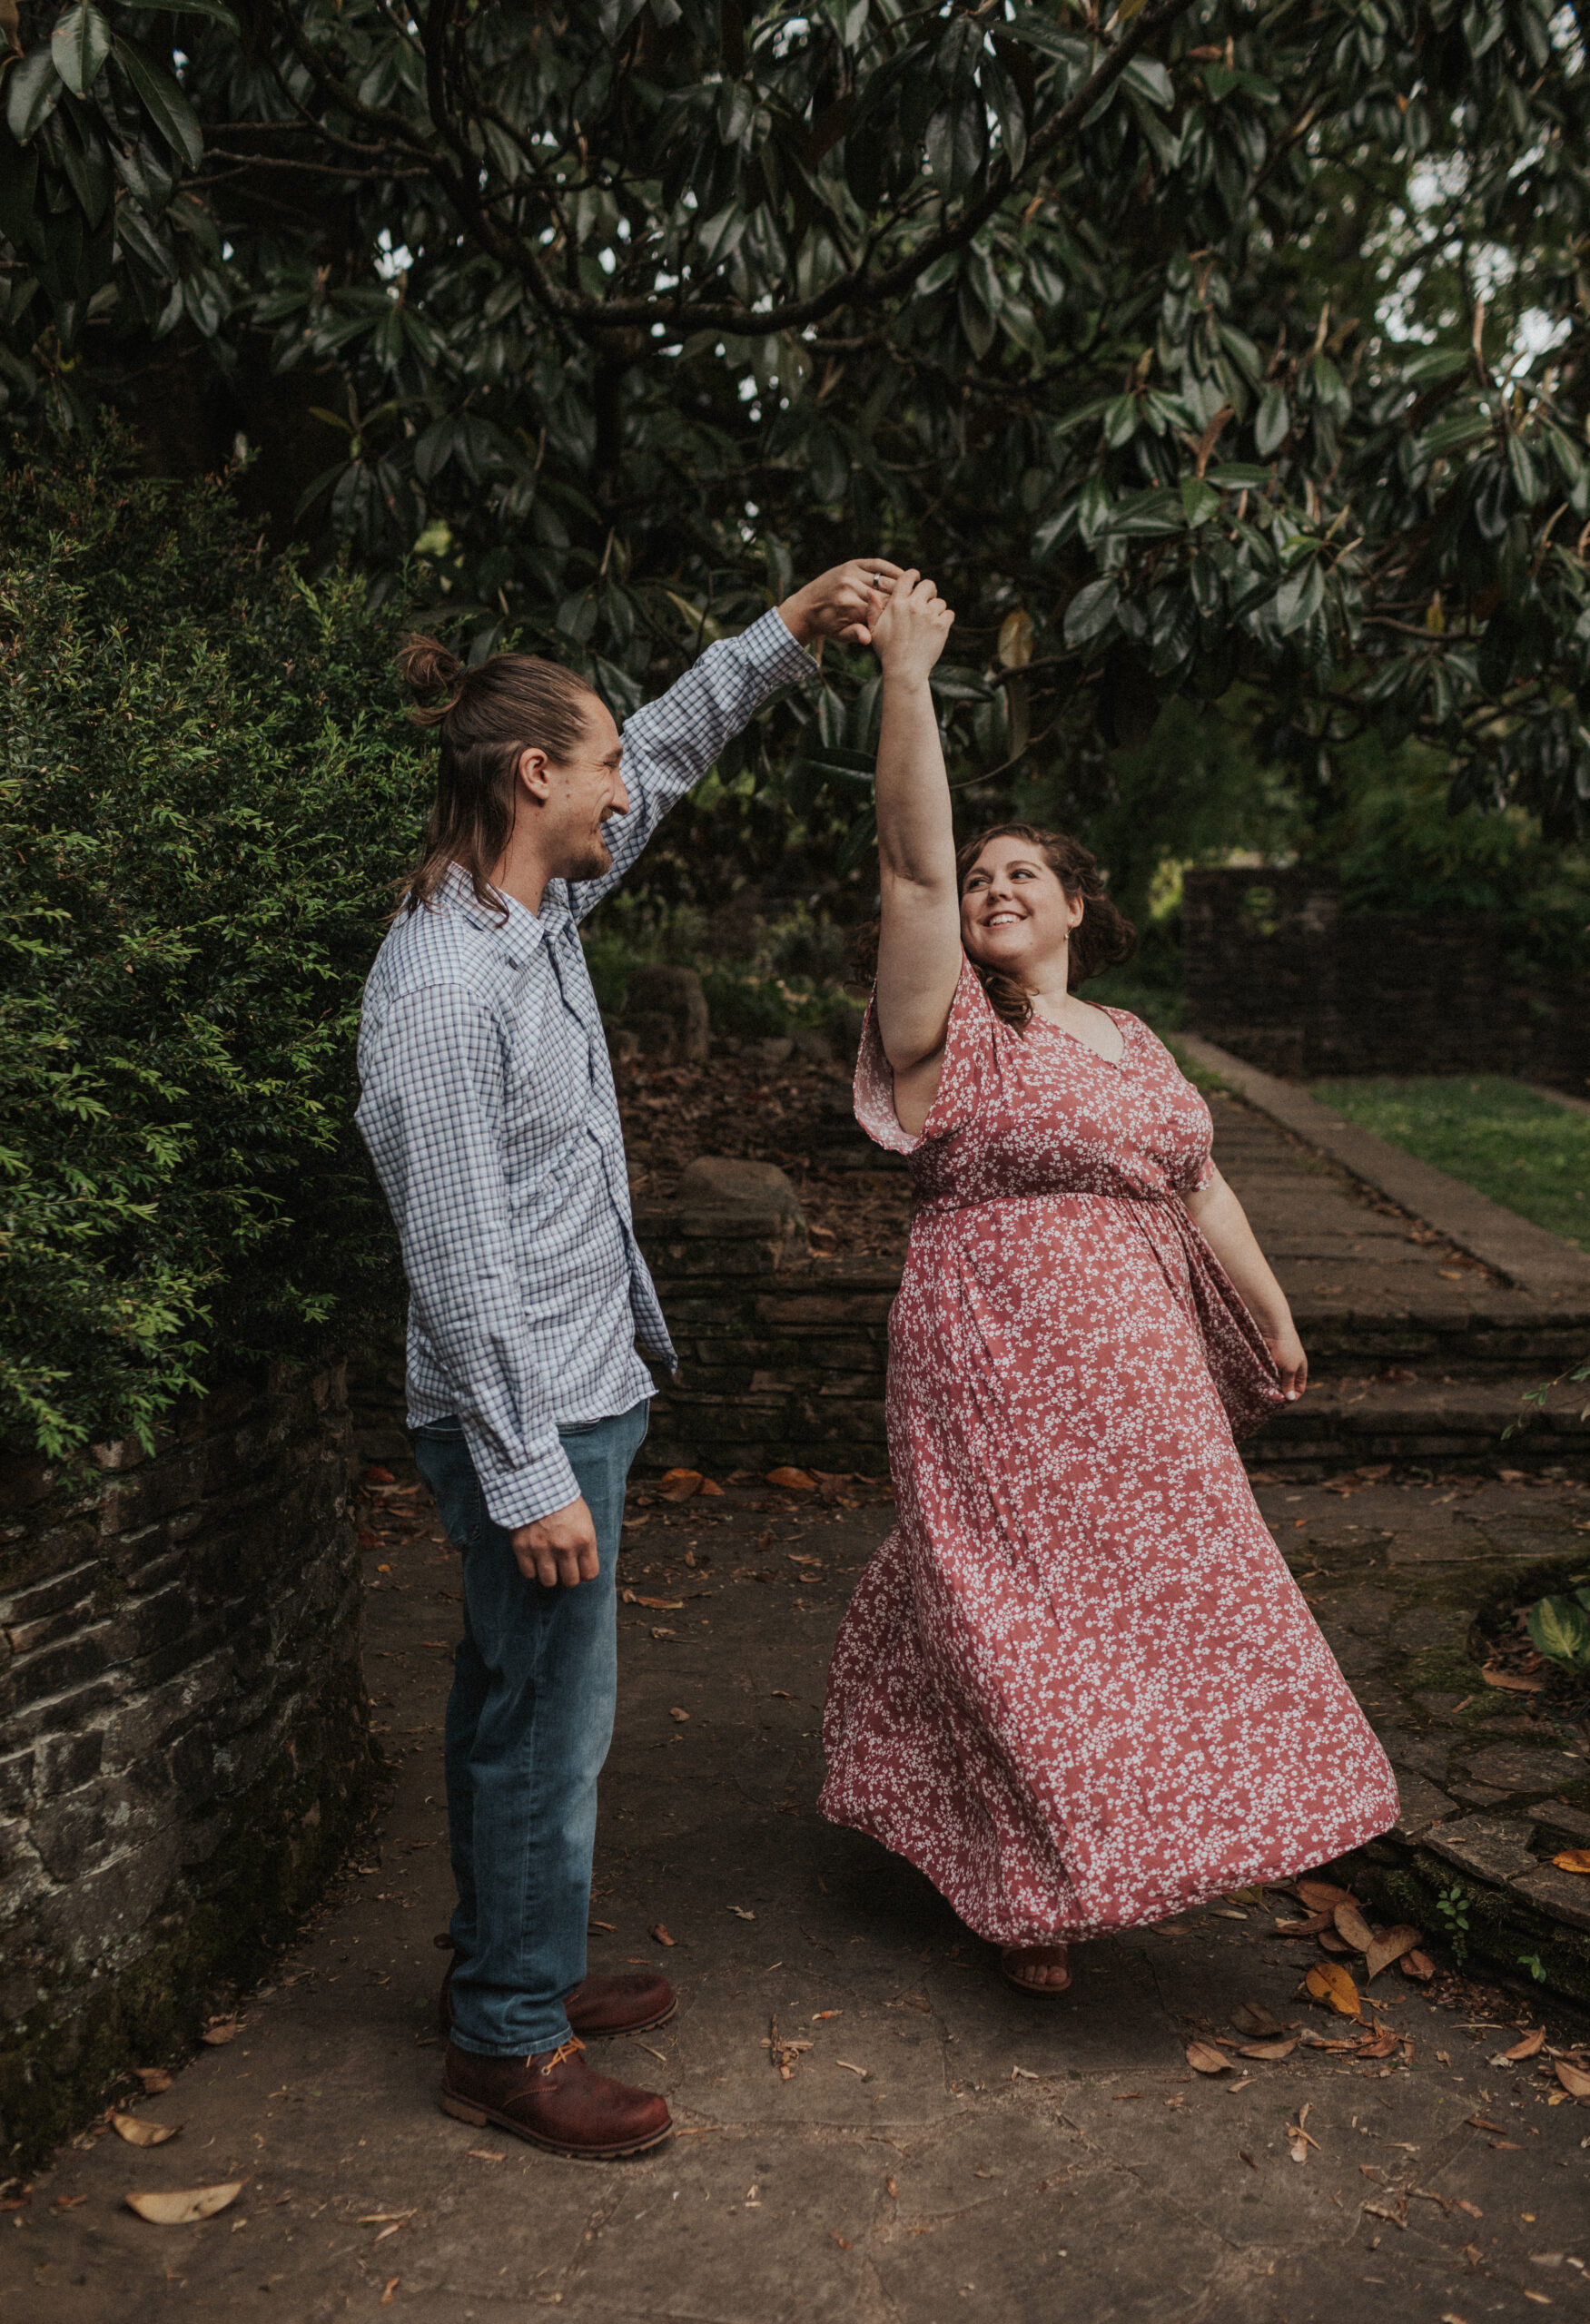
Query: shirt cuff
(519, 1496)
(775, 653)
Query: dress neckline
(1115, 1017)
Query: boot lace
(565, 2050)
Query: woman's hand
(1290, 1362)
(908, 635)
(843, 603)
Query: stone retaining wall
(1275, 971)
(182, 1731)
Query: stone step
(1440, 1425)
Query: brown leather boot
(600, 2006)
(554, 2100)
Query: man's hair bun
(428, 670)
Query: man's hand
(909, 634)
(843, 602)
(561, 1548)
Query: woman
(1076, 1685)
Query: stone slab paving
(1553, 1272)
(1419, 1349)
(946, 2148)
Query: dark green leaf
(1273, 422)
(1091, 612)
(169, 111)
(80, 44)
(33, 89)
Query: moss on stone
(213, 1934)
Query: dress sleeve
(1195, 1162)
(969, 1044)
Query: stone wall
(182, 1731)
(782, 1358)
(1275, 971)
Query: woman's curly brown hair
(1102, 939)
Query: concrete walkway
(945, 2148)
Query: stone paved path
(945, 2149)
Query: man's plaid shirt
(489, 1109)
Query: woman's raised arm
(919, 947)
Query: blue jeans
(528, 1722)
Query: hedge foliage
(205, 791)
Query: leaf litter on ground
(137, 2132)
(183, 2208)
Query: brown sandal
(1011, 1953)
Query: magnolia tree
(1192, 343)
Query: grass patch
(1520, 1150)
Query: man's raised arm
(669, 744)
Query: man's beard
(595, 858)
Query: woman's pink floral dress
(1077, 1685)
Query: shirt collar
(517, 930)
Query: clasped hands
(868, 601)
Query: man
(489, 1108)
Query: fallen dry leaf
(610, 1926)
(1253, 2018)
(1323, 1895)
(1573, 1860)
(1473, 2209)
(1391, 1945)
(1297, 2137)
(679, 1484)
(1513, 1680)
(192, 2203)
(1524, 2049)
(1397, 2214)
(483, 2154)
(658, 1605)
(1417, 1964)
(1326, 1981)
(217, 2035)
(154, 2079)
(842, 2241)
(1204, 2060)
(709, 1490)
(659, 1934)
(782, 2054)
(820, 2016)
(792, 1480)
(393, 2283)
(862, 2071)
(1573, 2079)
(138, 2133)
(1330, 1943)
(890, 2188)
(741, 1913)
(1270, 2049)
(1351, 1924)
(1315, 1924)
(675, 1712)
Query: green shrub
(204, 794)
